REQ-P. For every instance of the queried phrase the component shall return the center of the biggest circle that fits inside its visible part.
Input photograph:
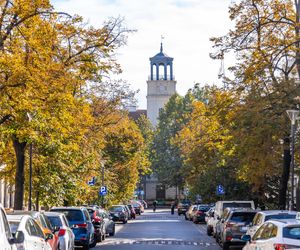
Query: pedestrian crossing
(159, 242)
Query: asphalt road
(159, 230)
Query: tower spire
(161, 44)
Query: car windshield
(72, 214)
(242, 217)
(292, 232)
(115, 209)
(14, 226)
(280, 216)
(55, 221)
(203, 208)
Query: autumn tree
(47, 61)
(265, 40)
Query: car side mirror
(246, 237)
(49, 237)
(18, 238)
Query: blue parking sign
(102, 191)
(220, 190)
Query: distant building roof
(135, 115)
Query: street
(159, 230)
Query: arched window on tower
(161, 72)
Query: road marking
(159, 242)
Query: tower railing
(161, 77)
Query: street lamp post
(293, 115)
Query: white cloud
(186, 25)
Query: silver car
(65, 234)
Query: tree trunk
(285, 173)
(19, 177)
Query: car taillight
(284, 246)
(97, 219)
(199, 212)
(228, 238)
(61, 232)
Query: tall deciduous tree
(47, 61)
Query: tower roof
(161, 55)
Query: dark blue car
(81, 224)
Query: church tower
(161, 84)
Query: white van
(7, 241)
(221, 205)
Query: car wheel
(225, 246)
(209, 231)
(186, 218)
(86, 247)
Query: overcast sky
(186, 26)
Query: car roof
(268, 212)
(21, 212)
(287, 222)
(17, 217)
(54, 214)
(68, 208)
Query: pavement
(159, 230)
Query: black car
(183, 206)
(98, 223)
(119, 213)
(200, 213)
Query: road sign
(102, 191)
(91, 182)
(220, 190)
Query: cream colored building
(161, 84)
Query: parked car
(108, 222)
(275, 234)
(199, 214)
(132, 211)
(183, 206)
(190, 211)
(66, 236)
(81, 225)
(233, 227)
(209, 213)
(209, 218)
(221, 205)
(8, 241)
(45, 225)
(263, 216)
(119, 213)
(34, 237)
(98, 223)
(137, 207)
